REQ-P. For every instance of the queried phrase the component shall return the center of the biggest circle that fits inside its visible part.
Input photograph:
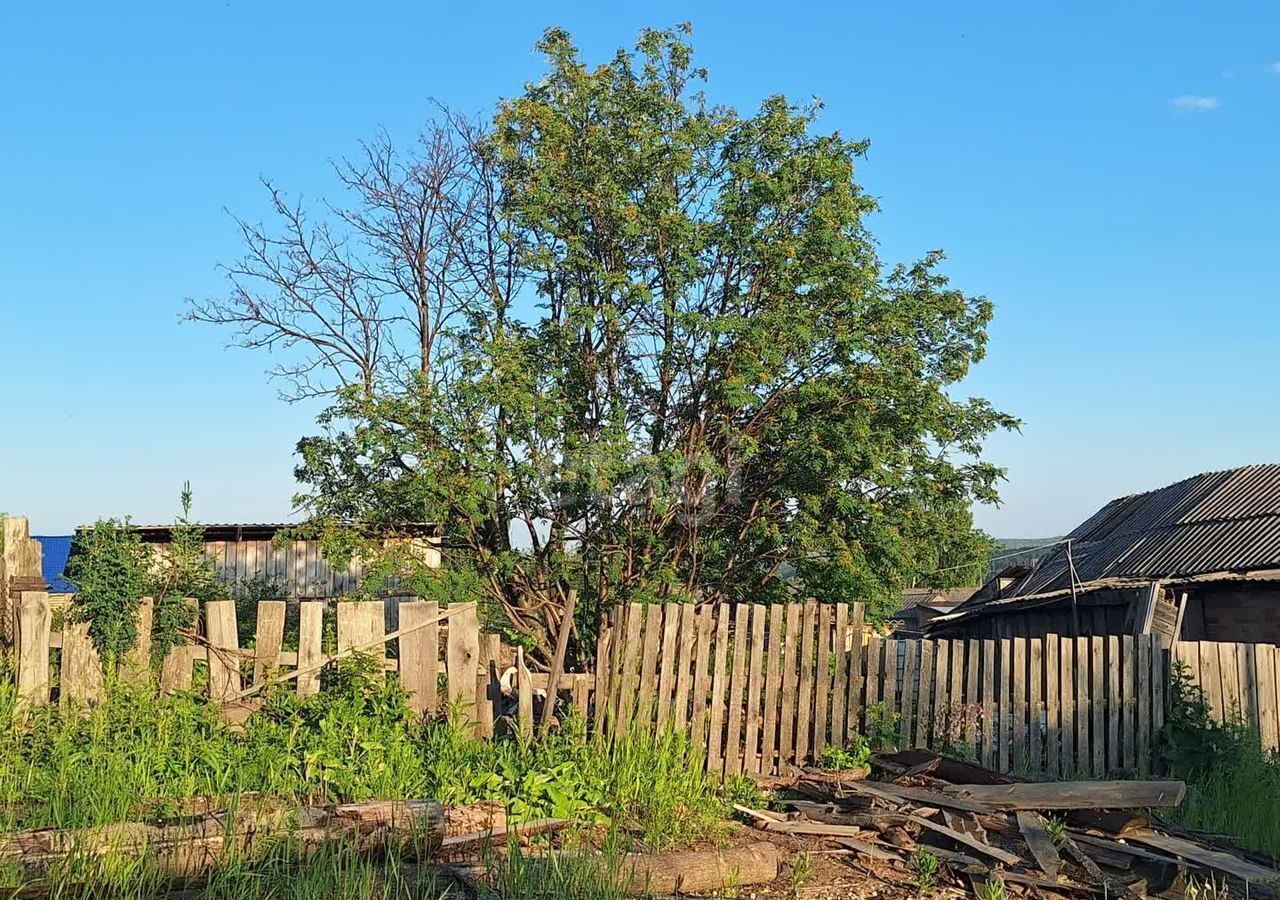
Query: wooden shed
(246, 551)
(1198, 560)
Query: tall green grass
(1233, 784)
(138, 756)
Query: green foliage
(853, 755)
(180, 574)
(884, 728)
(722, 393)
(110, 568)
(1056, 828)
(992, 889)
(1233, 785)
(927, 868)
(136, 754)
(517, 875)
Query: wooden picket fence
(757, 687)
(1241, 683)
(764, 687)
(436, 648)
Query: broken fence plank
(1039, 842)
(1073, 794)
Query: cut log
(1073, 794)
(702, 871)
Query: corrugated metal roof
(1216, 522)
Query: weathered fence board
(775, 685)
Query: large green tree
(622, 340)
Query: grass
(1239, 796)
(137, 756)
(1233, 785)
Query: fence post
(32, 632)
(224, 649)
(20, 559)
(419, 652)
(81, 665)
(463, 658)
(524, 686)
(310, 645)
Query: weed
(926, 867)
(1056, 828)
(853, 755)
(801, 870)
(884, 728)
(992, 889)
(1233, 785)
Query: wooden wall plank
(668, 663)
(1084, 711)
(822, 675)
(733, 760)
(989, 730)
(875, 653)
(82, 680)
(719, 691)
(268, 638)
(1067, 697)
(924, 694)
(955, 697)
(790, 685)
(1052, 708)
(462, 658)
(972, 699)
(1005, 703)
(488, 680)
(32, 622)
(1229, 671)
(684, 674)
(941, 717)
(1035, 705)
(772, 690)
(310, 644)
(604, 671)
(1267, 710)
(1019, 711)
(910, 680)
(1146, 643)
(755, 687)
(1098, 704)
(645, 711)
(224, 649)
(419, 655)
(1245, 657)
(804, 698)
(889, 695)
(853, 697)
(702, 674)
(840, 685)
(632, 648)
(1114, 699)
(1129, 704)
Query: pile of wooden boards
(1055, 839)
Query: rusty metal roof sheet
(1216, 522)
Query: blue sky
(1106, 173)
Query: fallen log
(1073, 794)
(186, 848)
(701, 871)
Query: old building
(241, 552)
(1197, 560)
(922, 605)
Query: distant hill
(1019, 551)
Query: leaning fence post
(32, 631)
